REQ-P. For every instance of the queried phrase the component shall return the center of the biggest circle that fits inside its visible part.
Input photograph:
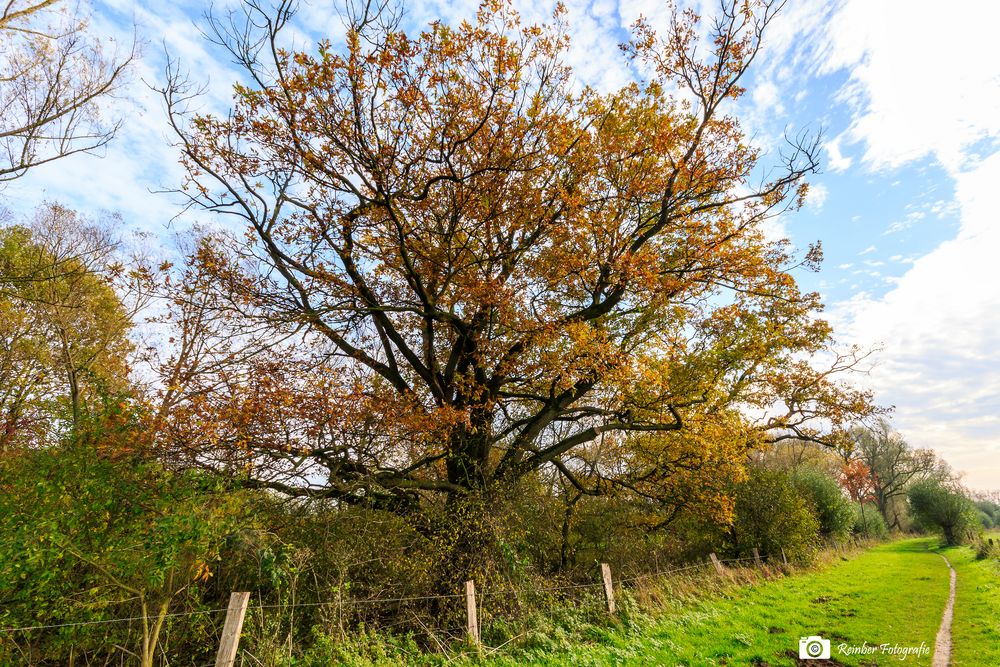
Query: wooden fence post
(472, 618)
(230, 641)
(783, 559)
(756, 557)
(609, 591)
(716, 563)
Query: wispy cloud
(941, 328)
(926, 86)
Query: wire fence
(229, 649)
(396, 600)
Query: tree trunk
(564, 553)
(469, 451)
(882, 502)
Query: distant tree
(53, 75)
(64, 326)
(794, 454)
(989, 511)
(943, 506)
(892, 465)
(856, 480)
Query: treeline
(460, 322)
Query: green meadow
(893, 594)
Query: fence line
(416, 598)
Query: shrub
(832, 508)
(772, 515)
(868, 522)
(86, 537)
(987, 547)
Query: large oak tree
(493, 270)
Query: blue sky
(907, 94)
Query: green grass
(891, 594)
(975, 628)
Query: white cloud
(867, 251)
(941, 329)
(766, 98)
(923, 83)
(837, 160)
(923, 77)
(817, 196)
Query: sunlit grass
(976, 626)
(892, 594)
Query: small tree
(943, 506)
(88, 535)
(64, 325)
(772, 515)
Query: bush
(868, 522)
(772, 515)
(832, 508)
(86, 537)
(989, 513)
(987, 547)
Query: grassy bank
(891, 594)
(976, 626)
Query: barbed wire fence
(239, 604)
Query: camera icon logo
(814, 648)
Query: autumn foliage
(459, 316)
(474, 269)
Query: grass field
(892, 594)
(976, 626)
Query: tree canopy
(64, 326)
(944, 506)
(492, 270)
(53, 75)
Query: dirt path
(942, 645)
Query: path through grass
(975, 630)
